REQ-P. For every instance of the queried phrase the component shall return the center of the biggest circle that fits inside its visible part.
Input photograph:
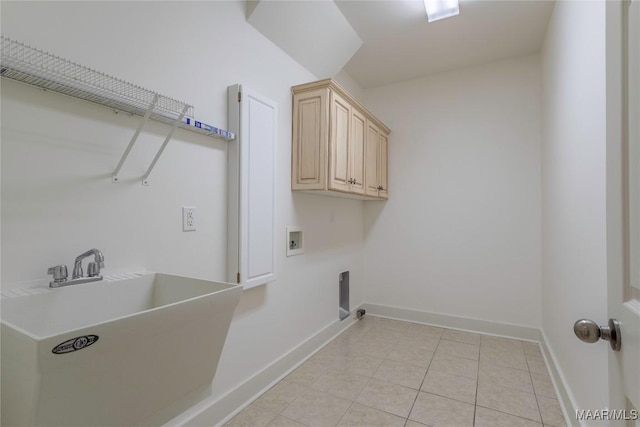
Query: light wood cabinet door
(376, 162)
(372, 164)
(357, 147)
(383, 166)
(310, 137)
(339, 160)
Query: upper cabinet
(338, 147)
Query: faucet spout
(98, 259)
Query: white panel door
(251, 165)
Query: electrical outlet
(188, 218)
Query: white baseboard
(217, 412)
(567, 403)
(454, 322)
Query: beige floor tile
(551, 412)
(458, 349)
(317, 408)
(537, 365)
(281, 421)
(327, 357)
(542, 385)
(455, 365)
(341, 384)
(501, 357)
(363, 416)
(508, 400)
(411, 353)
(332, 349)
(502, 344)
(451, 386)
(532, 348)
(307, 373)
(460, 336)
(371, 347)
(424, 342)
(383, 334)
(360, 364)
(346, 337)
(342, 343)
(401, 373)
(396, 325)
(505, 377)
(358, 329)
(392, 398)
(380, 363)
(354, 333)
(417, 329)
(490, 418)
(279, 396)
(252, 416)
(363, 365)
(439, 411)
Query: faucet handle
(59, 273)
(93, 269)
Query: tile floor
(383, 372)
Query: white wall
(574, 271)
(345, 80)
(58, 154)
(460, 234)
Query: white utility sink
(112, 352)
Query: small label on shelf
(212, 130)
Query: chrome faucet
(93, 270)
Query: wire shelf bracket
(144, 120)
(41, 69)
(145, 177)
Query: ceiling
(399, 44)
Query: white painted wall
(58, 154)
(316, 33)
(574, 271)
(345, 80)
(461, 233)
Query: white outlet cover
(189, 218)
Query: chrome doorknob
(589, 331)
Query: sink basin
(112, 352)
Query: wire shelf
(26, 64)
(36, 67)
(39, 68)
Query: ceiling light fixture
(440, 9)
